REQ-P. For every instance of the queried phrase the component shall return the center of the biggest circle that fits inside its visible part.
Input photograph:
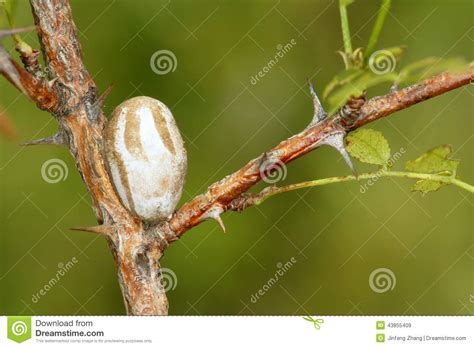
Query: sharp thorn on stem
(215, 214)
(220, 222)
(101, 100)
(319, 113)
(52, 82)
(336, 140)
(100, 229)
(56, 139)
(99, 103)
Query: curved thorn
(220, 222)
(105, 94)
(101, 100)
(52, 82)
(215, 214)
(336, 140)
(319, 113)
(99, 103)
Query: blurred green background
(337, 235)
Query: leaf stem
(366, 176)
(374, 36)
(346, 34)
(8, 9)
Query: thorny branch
(229, 193)
(67, 91)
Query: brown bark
(71, 96)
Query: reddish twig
(70, 95)
(228, 193)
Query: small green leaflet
(426, 186)
(368, 146)
(356, 87)
(342, 78)
(428, 67)
(395, 51)
(435, 161)
(355, 81)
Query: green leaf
(396, 51)
(374, 36)
(356, 87)
(427, 67)
(426, 186)
(435, 161)
(355, 81)
(368, 146)
(342, 78)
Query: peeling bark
(81, 122)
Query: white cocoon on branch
(146, 157)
